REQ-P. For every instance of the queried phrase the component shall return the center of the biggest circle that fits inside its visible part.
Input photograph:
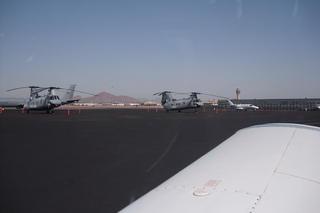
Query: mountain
(105, 97)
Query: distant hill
(105, 97)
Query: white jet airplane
(261, 169)
(242, 106)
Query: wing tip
(288, 125)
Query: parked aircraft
(46, 102)
(13, 102)
(134, 104)
(242, 106)
(264, 168)
(170, 103)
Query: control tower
(238, 93)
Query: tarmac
(100, 160)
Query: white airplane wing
(261, 169)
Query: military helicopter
(170, 103)
(46, 102)
(192, 102)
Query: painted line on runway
(164, 153)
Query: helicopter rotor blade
(59, 88)
(53, 88)
(30, 87)
(192, 93)
(218, 96)
(188, 93)
(40, 89)
(85, 93)
(160, 93)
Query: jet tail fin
(230, 102)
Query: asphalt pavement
(100, 160)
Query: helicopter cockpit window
(54, 97)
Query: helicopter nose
(55, 103)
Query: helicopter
(192, 102)
(49, 101)
(170, 103)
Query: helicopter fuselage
(43, 103)
(170, 103)
(181, 104)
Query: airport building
(275, 104)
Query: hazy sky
(267, 48)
